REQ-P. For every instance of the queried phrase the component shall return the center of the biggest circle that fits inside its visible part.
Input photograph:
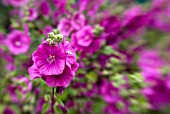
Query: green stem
(52, 101)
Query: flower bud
(47, 97)
(98, 30)
(51, 35)
(56, 31)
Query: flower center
(69, 52)
(51, 59)
(17, 43)
(87, 37)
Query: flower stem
(52, 101)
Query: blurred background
(122, 48)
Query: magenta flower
(8, 110)
(158, 93)
(50, 60)
(62, 80)
(111, 24)
(91, 6)
(150, 64)
(33, 14)
(78, 21)
(70, 55)
(65, 26)
(18, 42)
(134, 19)
(60, 5)
(109, 93)
(93, 47)
(85, 36)
(55, 65)
(82, 38)
(45, 8)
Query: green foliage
(108, 50)
(46, 106)
(98, 106)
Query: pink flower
(18, 42)
(93, 47)
(65, 26)
(50, 60)
(109, 93)
(71, 55)
(60, 4)
(33, 14)
(158, 92)
(150, 64)
(8, 110)
(55, 65)
(45, 8)
(82, 38)
(62, 80)
(78, 21)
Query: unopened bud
(56, 31)
(51, 35)
(98, 30)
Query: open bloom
(65, 26)
(82, 38)
(56, 65)
(50, 60)
(33, 14)
(78, 21)
(18, 42)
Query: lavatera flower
(54, 61)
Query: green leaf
(108, 50)
(46, 106)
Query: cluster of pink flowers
(97, 56)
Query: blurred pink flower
(18, 42)
(33, 14)
(78, 21)
(150, 64)
(45, 8)
(82, 38)
(65, 27)
(158, 92)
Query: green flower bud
(98, 30)
(56, 31)
(47, 97)
(51, 42)
(51, 35)
(58, 37)
(54, 37)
